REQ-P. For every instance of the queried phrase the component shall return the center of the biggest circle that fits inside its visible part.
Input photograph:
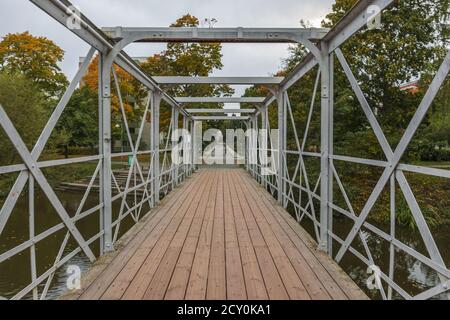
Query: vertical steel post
(191, 147)
(249, 146)
(246, 147)
(331, 152)
(31, 230)
(263, 147)
(255, 146)
(326, 184)
(195, 154)
(156, 104)
(185, 145)
(175, 171)
(105, 136)
(392, 234)
(281, 145)
(100, 150)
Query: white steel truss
(311, 197)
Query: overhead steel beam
(221, 110)
(217, 118)
(186, 100)
(220, 35)
(219, 80)
(91, 34)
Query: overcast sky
(238, 59)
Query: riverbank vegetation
(409, 46)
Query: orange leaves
(186, 21)
(127, 87)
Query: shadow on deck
(218, 236)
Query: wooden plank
(217, 288)
(291, 279)
(281, 280)
(162, 213)
(126, 276)
(162, 277)
(329, 283)
(178, 284)
(140, 282)
(338, 284)
(220, 236)
(254, 282)
(233, 264)
(312, 284)
(197, 286)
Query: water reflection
(412, 275)
(15, 273)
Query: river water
(410, 274)
(15, 274)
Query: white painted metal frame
(220, 118)
(393, 169)
(251, 100)
(31, 169)
(219, 80)
(235, 35)
(191, 111)
(292, 188)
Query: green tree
(80, 120)
(25, 106)
(410, 44)
(36, 58)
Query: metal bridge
(218, 233)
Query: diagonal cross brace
(27, 158)
(394, 159)
(21, 180)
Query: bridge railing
(113, 199)
(308, 182)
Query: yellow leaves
(35, 57)
(20, 43)
(186, 21)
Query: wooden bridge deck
(218, 236)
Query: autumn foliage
(36, 58)
(126, 85)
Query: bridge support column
(175, 167)
(185, 147)
(255, 146)
(326, 182)
(263, 136)
(155, 110)
(197, 147)
(281, 182)
(250, 147)
(191, 147)
(105, 150)
(246, 127)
